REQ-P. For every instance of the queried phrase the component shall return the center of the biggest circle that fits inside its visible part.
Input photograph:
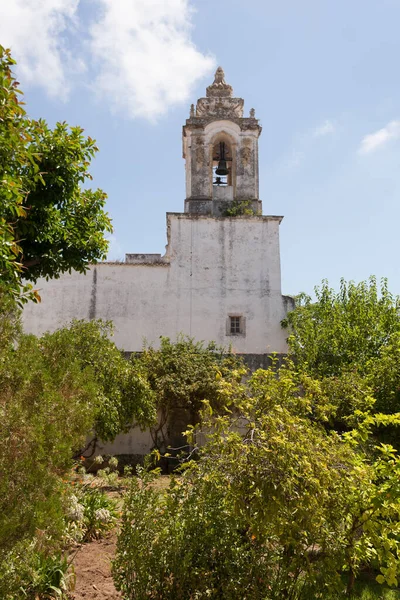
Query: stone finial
(192, 114)
(252, 113)
(219, 88)
(219, 76)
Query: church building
(220, 276)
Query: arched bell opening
(222, 164)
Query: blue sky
(323, 77)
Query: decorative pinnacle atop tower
(219, 87)
(220, 146)
(219, 100)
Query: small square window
(236, 325)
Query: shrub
(32, 573)
(239, 208)
(45, 412)
(123, 396)
(279, 510)
(52, 395)
(181, 375)
(99, 513)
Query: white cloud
(142, 53)
(147, 61)
(325, 129)
(373, 141)
(34, 29)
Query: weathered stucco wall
(213, 268)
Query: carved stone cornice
(244, 123)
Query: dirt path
(93, 570)
(92, 562)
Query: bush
(123, 396)
(53, 391)
(349, 334)
(181, 375)
(279, 510)
(99, 513)
(45, 412)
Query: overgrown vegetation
(91, 513)
(351, 336)
(293, 494)
(54, 392)
(275, 507)
(239, 208)
(181, 375)
(123, 396)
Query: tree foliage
(124, 397)
(291, 495)
(55, 391)
(49, 223)
(351, 333)
(45, 414)
(275, 507)
(342, 329)
(182, 374)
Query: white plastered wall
(213, 268)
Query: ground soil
(92, 565)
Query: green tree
(275, 507)
(351, 333)
(55, 392)
(182, 374)
(49, 223)
(45, 413)
(342, 329)
(123, 395)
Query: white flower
(113, 462)
(75, 511)
(98, 460)
(103, 515)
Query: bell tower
(220, 147)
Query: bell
(222, 169)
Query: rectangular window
(235, 325)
